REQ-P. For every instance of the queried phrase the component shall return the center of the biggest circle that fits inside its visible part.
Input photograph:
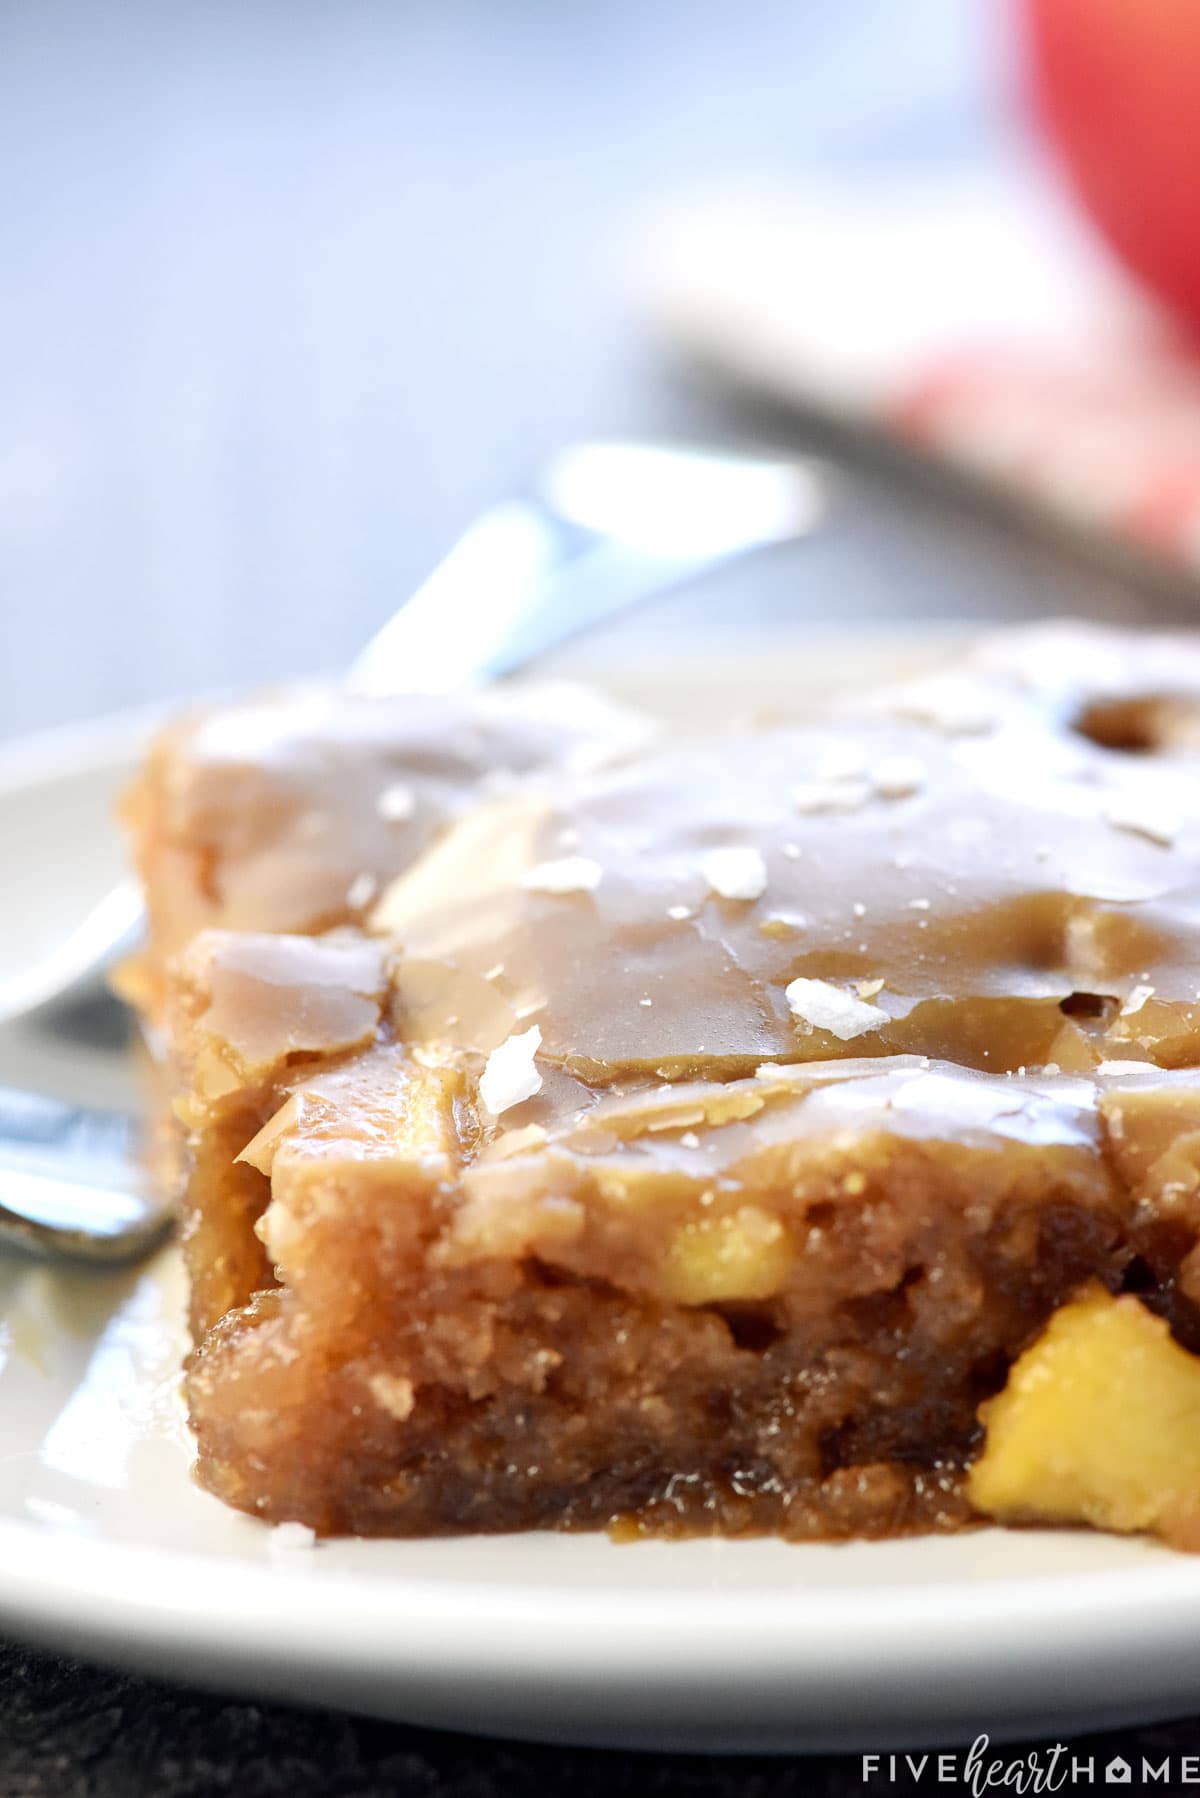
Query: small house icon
(1118, 1772)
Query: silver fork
(605, 526)
(71, 1182)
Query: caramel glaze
(291, 811)
(1027, 896)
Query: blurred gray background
(291, 290)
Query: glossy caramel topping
(271, 999)
(950, 868)
(291, 811)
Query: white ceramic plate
(107, 1548)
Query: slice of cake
(700, 1140)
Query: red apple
(1117, 83)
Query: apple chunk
(1099, 1423)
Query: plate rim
(136, 1602)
